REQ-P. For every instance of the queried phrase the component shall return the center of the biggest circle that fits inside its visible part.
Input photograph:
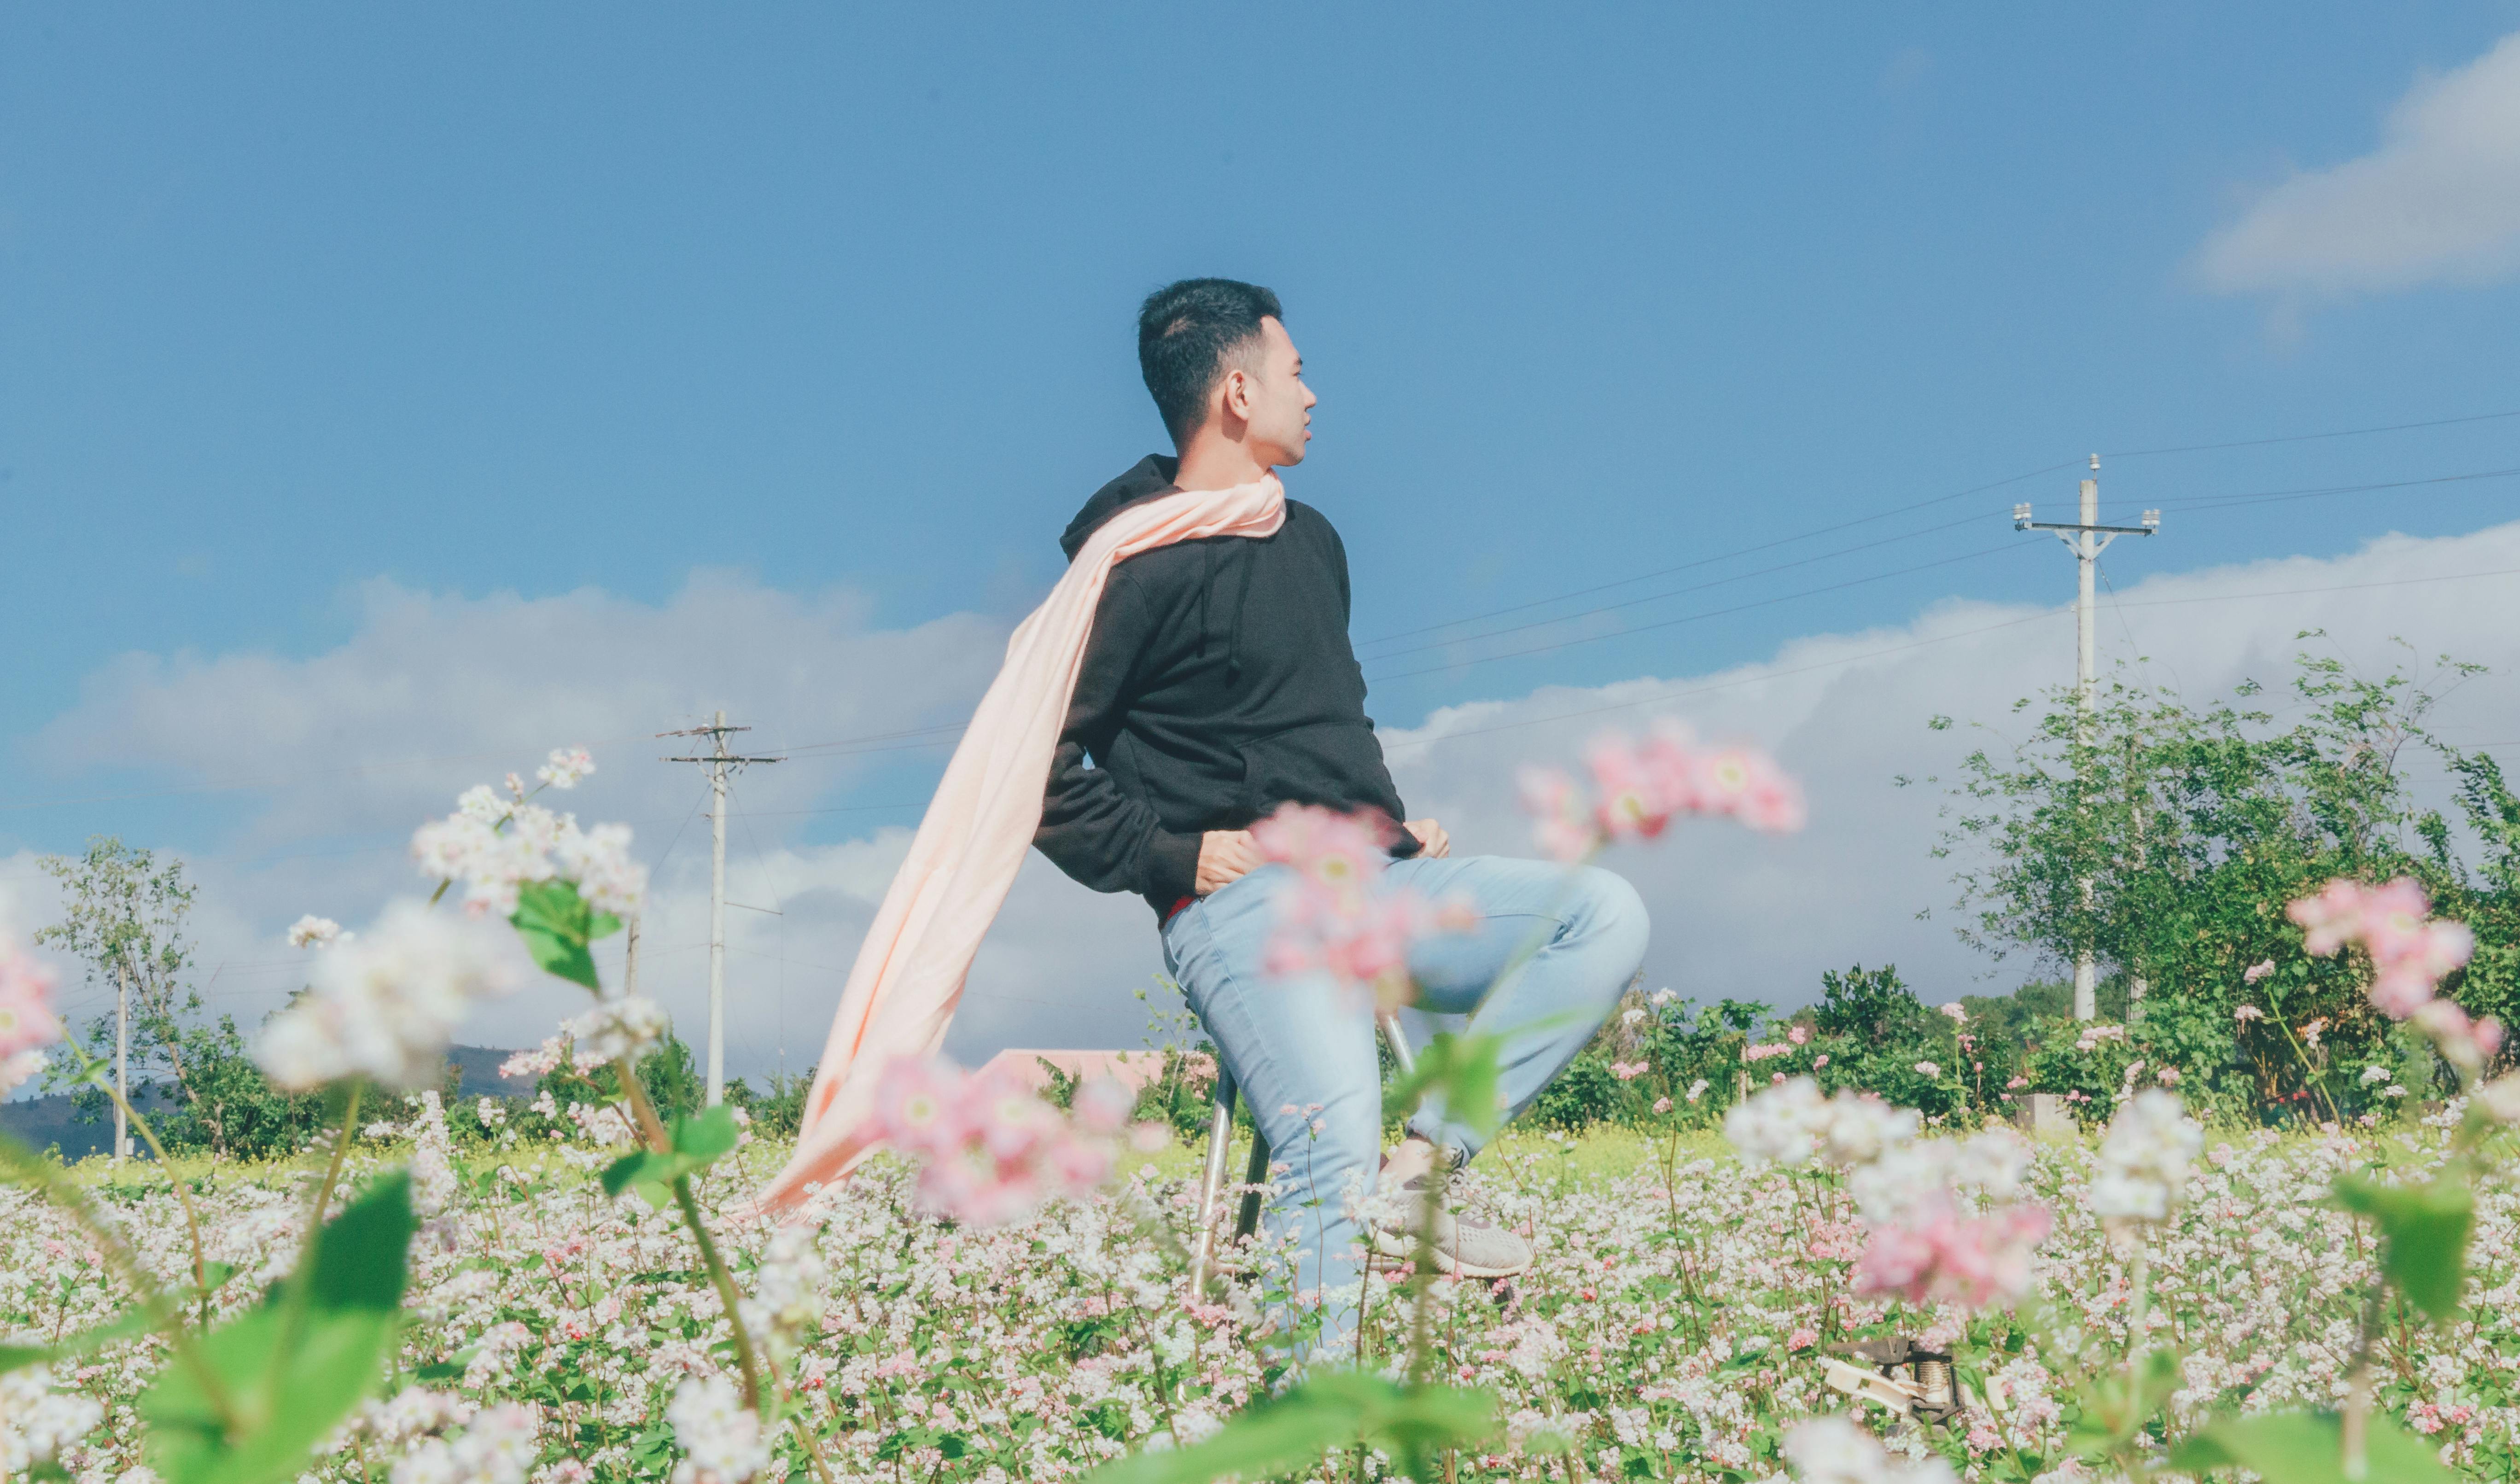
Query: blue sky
(485, 301)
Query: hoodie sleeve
(1089, 828)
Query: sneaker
(1464, 1245)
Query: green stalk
(728, 1296)
(92, 1069)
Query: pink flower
(1937, 1253)
(1797, 1035)
(1747, 785)
(1629, 1071)
(1763, 1052)
(1336, 852)
(1803, 1338)
(2314, 1030)
(990, 1151)
(27, 1018)
(1662, 1104)
(2258, 970)
(1956, 1009)
(1562, 826)
(1820, 1061)
(2248, 1013)
(1631, 801)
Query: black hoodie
(1218, 683)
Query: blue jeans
(1302, 1049)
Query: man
(1219, 682)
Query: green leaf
(296, 1365)
(2307, 1447)
(698, 1143)
(2423, 1237)
(557, 926)
(1330, 1410)
(122, 1327)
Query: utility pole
(2086, 539)
(719, 762)
(122, 1058)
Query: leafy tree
(2193, 826)
(124, 914)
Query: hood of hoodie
(1147, 479)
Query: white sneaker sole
(1401, 1247)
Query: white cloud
(2438, 201)
(494, 682)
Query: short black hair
(1187, 334)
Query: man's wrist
(1172, 866)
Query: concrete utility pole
(720, 762)
(121, 1060)
(2087, 538)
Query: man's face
(1280, 415)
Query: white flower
(1661, 998)
(1956, 1009)
(1857, 1126)
(787, 1288)
(2393, 1090)
(2143, 1161)
(482, 806)
(1631, 1016)
(1696, 1089)
(1833, 1449)
(36, 1423)
(1779, 1126)
(2371, 1074)
(567, 765)
(599, 861)
(722, 1439)
(385, 1005)
(1990, 1165)
(15, 1070)
(497, 1448)
(615, 1029)
(434, 1182)
(494, 848)
(312, 931)
(1928, 1070)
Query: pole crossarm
(2113, 530)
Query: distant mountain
(45, 1122)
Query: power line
(1741, 607)
(1901, 648)
(2309, 438)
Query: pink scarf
(909, 974)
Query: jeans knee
(1612, 910)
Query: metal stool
(1220, 1144)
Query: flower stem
(93, 1069)
(2355, 1432)
(727, 1293)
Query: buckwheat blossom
(1833, 1449)
(1696, 1089)
(312, 931)
(385, 1003)
(2258, 970)
(1789, 1123)
(1337, 914)
(2248, 1013)
(1561, 826)
(27, 1020)
(2410, 953)
(1940, 1253)
(721, 1440)
(1928, 1070)
(990, 1151)
(1629, 1071)
(567, 767)
(2143, 1160)
(36, 1423)
(498, 1448)
(630, 1025)
(1957, 1011)
(496, 846)
(787, 1302)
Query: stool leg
(1220, 1139)
(1398, 1040)
(1247, 1221)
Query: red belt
(1174, 910)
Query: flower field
(1670, 1331)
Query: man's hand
(1224, 856)
(1434, 844)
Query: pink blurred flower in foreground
(27, 1020)
(1940, 1253)
(1640, 790)
(2411, 952)
(1339, 916)
(990, 1151)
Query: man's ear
(1236, 389)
